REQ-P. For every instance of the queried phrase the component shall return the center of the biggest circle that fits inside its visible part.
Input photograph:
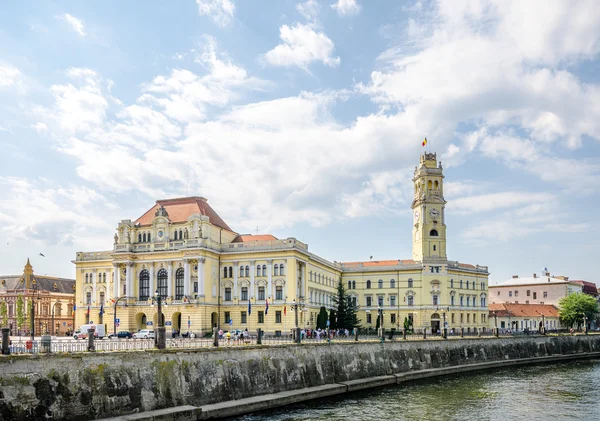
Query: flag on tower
(267, 308)
(74, 308)
(424, 142)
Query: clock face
(434, 213)
(416, 215)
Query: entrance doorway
(176, 321)
(214, 318)
(435, 323)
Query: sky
(304, 119)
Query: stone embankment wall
(91, 386)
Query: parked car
(144, 334)
(121, 334)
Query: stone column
(302, 270)
(151, 285)
(129, 279)
(270, 279)
(169, 279)
(251, 279)
(186, 277)
(236, 293)
(94, 280)
(201, 262)
(116, 281)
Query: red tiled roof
(588, 287)
(466, 265)
(180, 209)
(374, 263)
(249, 237)
(523, 310)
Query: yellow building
(210, 275)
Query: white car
(144, 334)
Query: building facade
(543, 289)
(524, 317)
(53, 300)
(208, 275)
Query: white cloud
(309, 9)
(346, 7)
(221, 11)
(9, 76)
(302, 44)
(76, 24)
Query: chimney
(534, 275)
(515, 276)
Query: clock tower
(429, 219)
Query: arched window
(410, 282)
(86, 278)
(452, 300)
(429, 184)
(433, 233)
(460, 284)
(148, 237)
(224, 272)
(462, 301)
(380, 284)
(368, 284)
(258, 270)
(411, 300)
(276, 270)
(140, 238)
(435, 185)
(349, 284)
(353, 284)
(435, 300)
(230, 272)
(179, 276)
(247, 271)
(264, 270)
(434, 247)
(392, 284)
(468, 301)
(281, 271)
(175, 235)
(467, 284)
(180, 235)
(144, 285)
(162, 283)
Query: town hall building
(208, 275)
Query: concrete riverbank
(214, 383)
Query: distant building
(49, 294)
(543, 289)
(522, 317)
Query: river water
(553, 392)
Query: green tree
(574, 306)
(322, 319)
(20, 311)
(378, 323)
(345, 309)
(408, 325)
(4, 313)
(333, 320)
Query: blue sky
(304, 119)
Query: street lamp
(35, 291)
(115, 314)
(296, 329)
(160, 340)
(445, 329)
(380, 316)
(496, 323)
(53, 305)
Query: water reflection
(557, 392)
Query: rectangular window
(393, 318)
(502, 325)
(244, 293)
(435, 300)
(10, 310)
(411, 300)
(227, 317)
(380, 301)
(88, 298)
(393, 300)
(516, 293)
(468, 318)
(452, 318)
(452, 300)
(535, 295)
(510, 293)
(261, 293)
(244, 316)
(498, 292)
(227, 294)
(261, 317)
(529, 293)
(462, 317)
(279, 293)
(368, 301)
(369, 318)
(196, 287)
(278, 316)
(102, 302)
(545, 294)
